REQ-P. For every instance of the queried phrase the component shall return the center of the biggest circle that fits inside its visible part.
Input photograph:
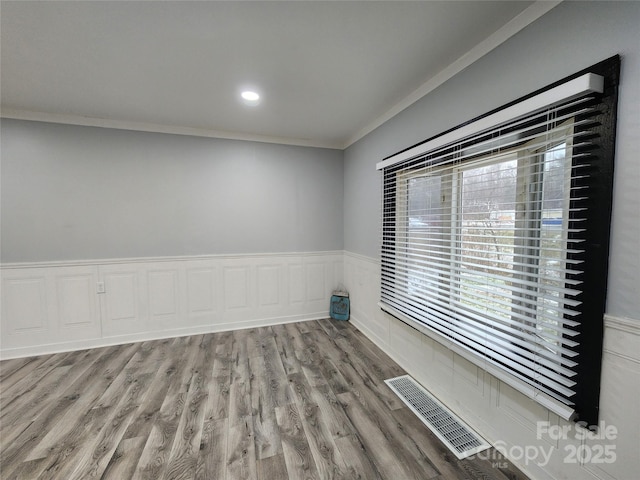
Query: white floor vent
(455, 434)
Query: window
(495, 239)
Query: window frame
(594, 296)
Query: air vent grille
(457, 435)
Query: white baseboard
(148, 336)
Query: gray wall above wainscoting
(73, 193)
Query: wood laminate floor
(297, 401)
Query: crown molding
(88, 121)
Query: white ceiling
(329, 72)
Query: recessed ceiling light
(250, 97)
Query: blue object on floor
(339, 308)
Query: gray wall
(72, 193)
(570, 37)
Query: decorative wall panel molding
(59, 306)
(296, 282)
(236, 287)
(269, 285)
(202, 287)
(43, 305)
(123, 309)
(26, 301)
(77, 304)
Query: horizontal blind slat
(501, 277)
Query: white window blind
(484, 234)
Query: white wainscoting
(502, 415)
(57, 306)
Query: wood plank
(12, 365)
(150, 354)
(442, 458)
(213, 449)
(327, 457)
(85, 394)
(358, 463)
(240, 386)
(301, 389)
(27, 403)
(9, 433)
(103, 446)
(149, 408)
(374, 441)
(267, 434)
(272, 468)
(304, 327)
(365, 348)
(409, 450)
(334, 416)
(380, 434)
(275, 373)
(186, 446)
(241, 452)
(329, 356)
(218, 399)
(285, 350)
(68, 450)
(125, 459)
(25, 470)
(362, 382)
(350, 340)
(306, 352)
(484, 467)
(295, 446)
(14, 370)
(253, 341)
(223, 354)
(192, 346)
(155, 455)
(27, 381)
